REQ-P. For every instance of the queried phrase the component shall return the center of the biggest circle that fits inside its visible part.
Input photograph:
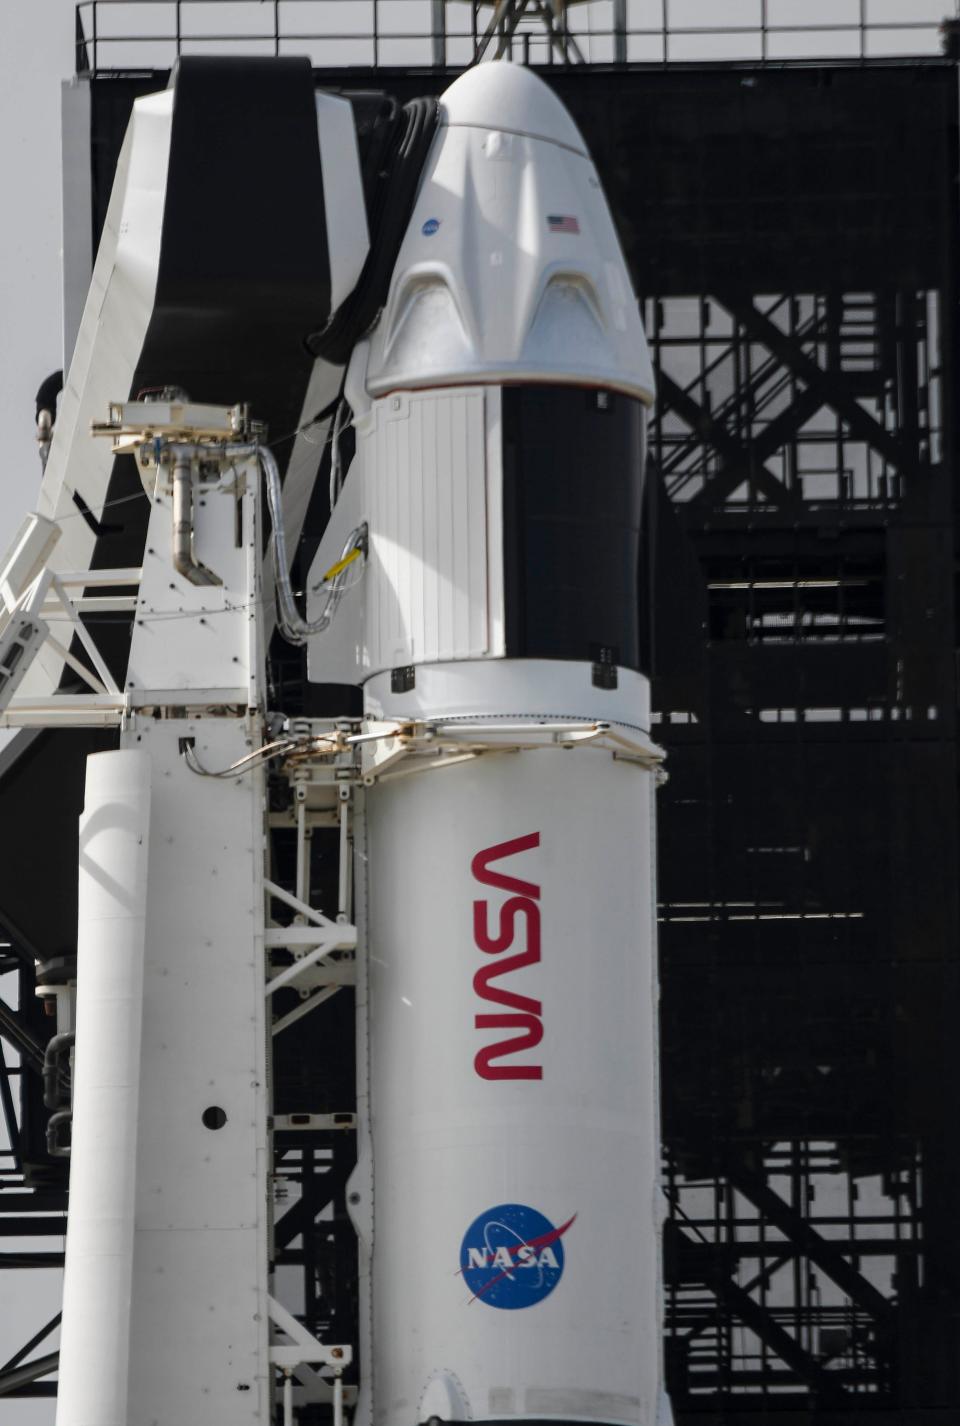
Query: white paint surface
(510, 269)
(581, 1140)
(114, 859)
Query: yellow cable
(340, 566)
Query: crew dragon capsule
(506, 1197)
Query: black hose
(55, 1147)
(412, 131)
(46, 399)
(53, 1056)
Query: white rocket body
(507, 1194)
(512, 1089)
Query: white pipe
(287, 1398)
(95, 1337)
(318, 953)
(338, 1400)
(303, 850)
(315, 918)
(343, 888)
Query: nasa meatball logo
(512, 1256)
(431, 226)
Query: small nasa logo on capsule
(512, 1256)
(431, 226)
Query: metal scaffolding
(117, 35)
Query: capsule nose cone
(511, 98)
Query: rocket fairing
(478, 579)
(506, 1197)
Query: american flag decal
(562, 223)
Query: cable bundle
(394, 194)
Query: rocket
(506, 1198)
(477, 581)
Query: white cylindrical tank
(114, 849)
(513, 1082)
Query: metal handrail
(109, 38)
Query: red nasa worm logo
(525, 1015)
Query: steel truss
(33, 1198)
(802, 459)
(117, 35)
(796, 404)
(783, 418)
(781, 1272)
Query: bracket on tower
(505, 22)
(305, 1348)
(27, 619)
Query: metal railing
(120, 35)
